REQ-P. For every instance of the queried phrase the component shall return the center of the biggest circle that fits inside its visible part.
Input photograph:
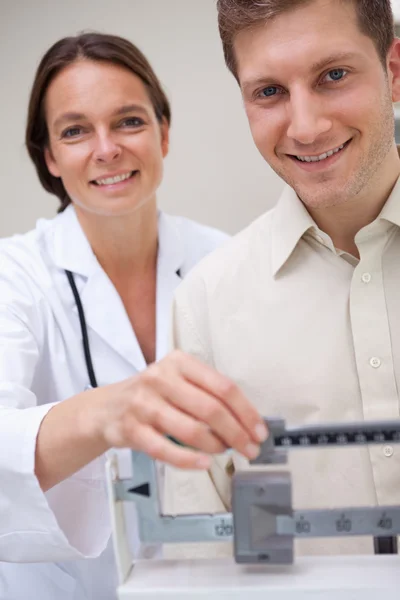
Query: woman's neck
(125, 246)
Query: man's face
(318, 100)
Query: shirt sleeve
(34, 525)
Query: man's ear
(393, 69)
(164, 137)
(50, 162)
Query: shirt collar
(391, 209)
(290, 222)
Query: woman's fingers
(157, 446)
(226, 391)
(214, 414)
(209, 397)
(167, 419)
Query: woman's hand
(180, 397)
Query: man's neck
(344, 221)
(126, 247)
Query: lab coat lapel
(107, 317)
(104, 311)
(170, 270)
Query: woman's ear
(164, 137)
(50, 162)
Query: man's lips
(319, 157)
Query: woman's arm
(179, 396)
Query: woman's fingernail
(204, 462)
(252, 451)
(261, 432)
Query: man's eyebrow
(336, 57)
(319, 65)
(123, 110)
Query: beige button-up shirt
(310, 334)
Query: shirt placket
(374, 357)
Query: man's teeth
(111, 180)
(321, 156)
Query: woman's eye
(336, 74)
(71, 132)
(269, 91)
(132, 122)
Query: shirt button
(366, 277)
(375, 362)
(388, 451)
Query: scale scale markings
(339, 523)
(335, 438)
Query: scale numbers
(322, 439)
(342, 439)
(371, 521)
(304, 440)
(343, 525)
(303, 526)
(385, 522)
(286, 441)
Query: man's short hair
(375, 20)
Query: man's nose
(307, 120)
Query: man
(302, 309)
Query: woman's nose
(106, 150)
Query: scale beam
(263, 524)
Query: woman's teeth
(321, 156)
(111, 180)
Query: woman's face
(105, 142)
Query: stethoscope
(85, 336)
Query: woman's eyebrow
(122, 110)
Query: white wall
(213, 173)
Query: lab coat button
(375, 362)
(388, 451)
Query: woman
(84, 302)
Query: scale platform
(311, 578)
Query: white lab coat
(42, 363)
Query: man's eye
(132, 122)
(336, 74)
(71, 132)
(269, 91)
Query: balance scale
(263, 526)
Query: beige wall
(213, 173)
